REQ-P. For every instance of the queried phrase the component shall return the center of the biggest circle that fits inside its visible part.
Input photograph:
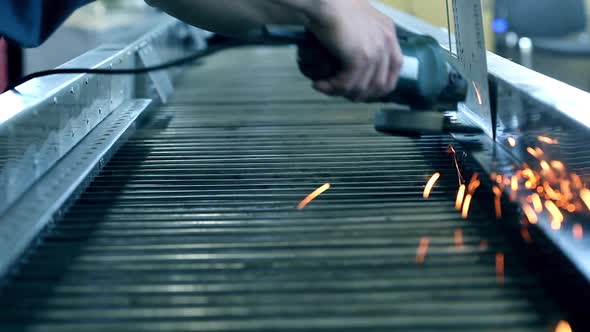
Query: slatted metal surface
(193, 227)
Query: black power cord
(268, 36)
(213, 48)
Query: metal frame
(50, 126)
(45, 118)
(50, 197)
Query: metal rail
(43, 121)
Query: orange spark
(459, 239)
(473, 186)
(514, 183)
(585, 196)
(498, 206)
(529, 174)
(313, 196)
(532, 152)
(537, 203)
(548, 140)
(477, 93)
(566, 190)
(512, 196)
(556, 214)
(512, 142)
(550, 192)
(456, 161)
(563, 326)
(577, 181)
(558, 165)
(500, 268)
(466, 205)
(474, 183)
(530, 213)
(526, 236)
(571, 208)
(536, 152)
(483, 245)
(555, 225)
(578, 231)
(460, 197)
(422, 250)
(497, 191)
(498, 201)
(430, 184)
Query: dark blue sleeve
(30, 22)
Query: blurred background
(104, 21)
(550, 36)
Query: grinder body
(426, 81)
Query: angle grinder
(428, 82)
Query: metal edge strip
(32, 94)
(48, 116)
(49, 197)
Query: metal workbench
(182, 216)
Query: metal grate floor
(192, 226)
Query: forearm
(361, 38)
(237, 17)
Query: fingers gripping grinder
(428, 83)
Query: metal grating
(192, 226)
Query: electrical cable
(268, 36)
(186, 60)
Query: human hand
(365, 42)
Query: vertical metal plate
(472, 55)
(160, 79)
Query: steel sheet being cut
(472, 55)
(193, 225)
